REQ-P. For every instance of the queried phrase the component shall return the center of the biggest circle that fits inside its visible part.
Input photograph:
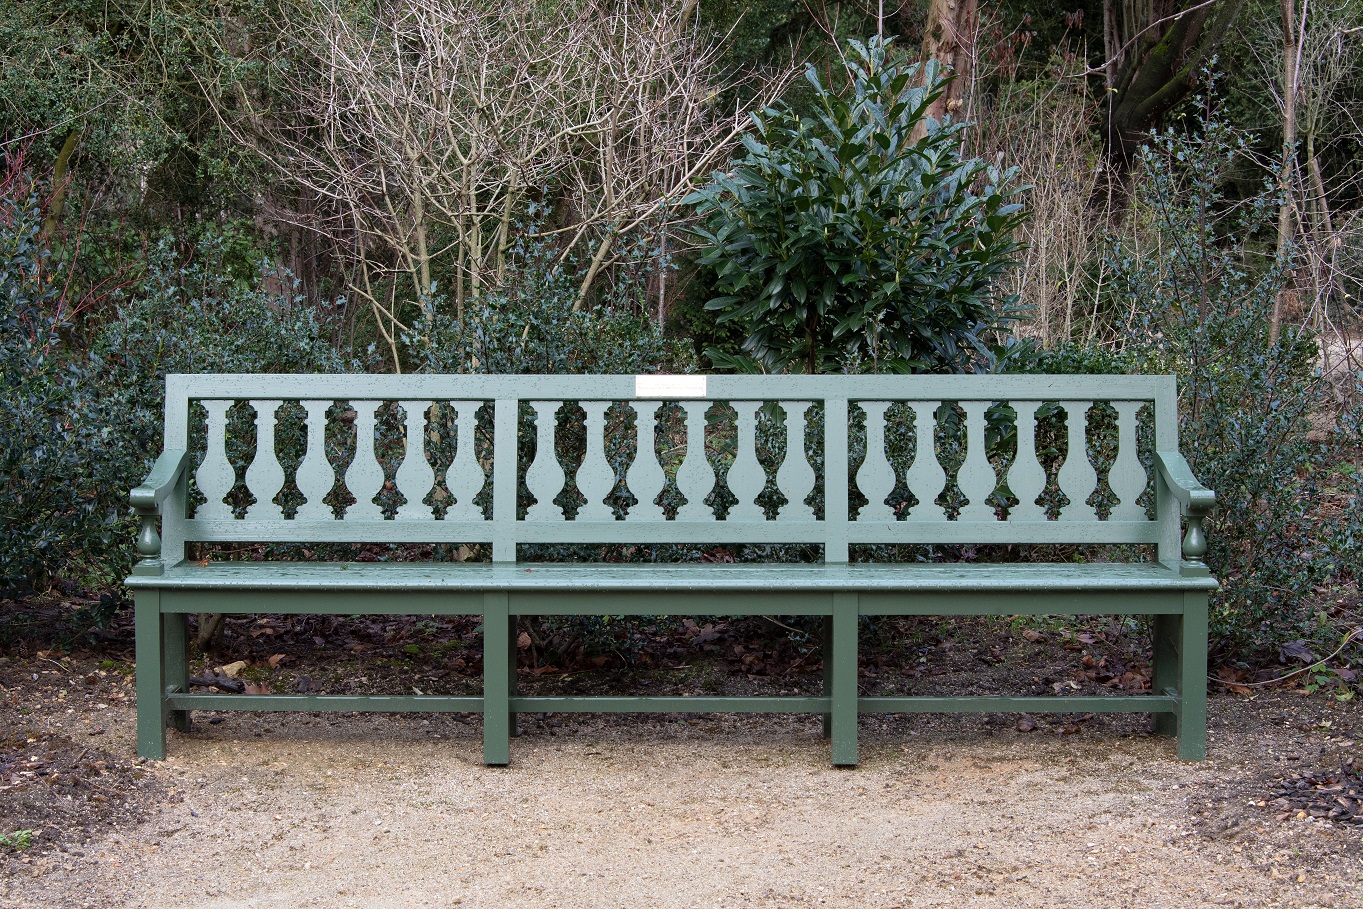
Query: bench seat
(654, 580)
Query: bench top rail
(610, 459)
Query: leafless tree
(1310, 55)
(420, 133)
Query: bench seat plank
(653, 578)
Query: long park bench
(865, 468)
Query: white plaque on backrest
(669, 387)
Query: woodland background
(468, 185)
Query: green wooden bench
(860, 462)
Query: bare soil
(265, 810)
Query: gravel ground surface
(270, 810)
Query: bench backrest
(831, 460)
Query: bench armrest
(146, 501)
(160, 482)
(1195, 499)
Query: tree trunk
(61, 171)
(949, 38)
(1287, 166)
(1156, 48)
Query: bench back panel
(605, 459)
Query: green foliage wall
(1197, 288)
(83, 428)
(530, 325)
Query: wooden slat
(911, 532)
(1142, 703)
(325, 703)
(464, 531)
(687, 578)
(660, 704)
(328, 703)
(719, 388)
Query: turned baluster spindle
(645, 477)
(976, 476)
(315, 476)
(265, 477)
(415, 476)
(215, 476)
(1195, 538)
(1127, 477)
(1026, 478)
(148, 538)
(746, 477)
(1077, 478)
(595, 478)
(795, 477)
(926, 478)
(545, 476)
(465, 477)
(695, 477)
(875, 478)
(365, 478)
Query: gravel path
(274, 811)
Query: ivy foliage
(1248, 408)
(847, 241)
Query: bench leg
(513, 632)
(496, 679)
(844, 695)
(828, 673)
(1180, 667)
(151, 681)
(1192, 717)
(175, 662)
(1164, 676)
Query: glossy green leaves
(859, 239)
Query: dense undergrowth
(1182, 283)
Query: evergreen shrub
(859, 239)
(83, 428)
